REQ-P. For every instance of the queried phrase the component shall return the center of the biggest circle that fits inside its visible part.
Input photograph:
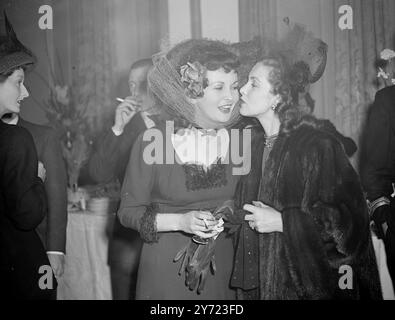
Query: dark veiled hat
(13, 53)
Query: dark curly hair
(287, 81)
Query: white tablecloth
(87, 274)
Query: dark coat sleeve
(379, 169)
(112, 152)
(331, 227)
(102, 165)
(23, 191)
(56, 188)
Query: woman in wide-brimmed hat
(196, 85)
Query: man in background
(109, 163)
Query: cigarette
(122, 100)
(136, 108)
(205, 223)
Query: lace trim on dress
(199, 177)
(148, 229)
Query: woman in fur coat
(306, 226)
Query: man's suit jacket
(23, 205)
(52, 230)
(378, 171)
(112, 152)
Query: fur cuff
(148, 229)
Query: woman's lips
(226, 108)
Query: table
(87, 274)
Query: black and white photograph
(186, 150)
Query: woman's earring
(275, 104)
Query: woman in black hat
(24, 267)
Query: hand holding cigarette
(125, 112)
(135, 105)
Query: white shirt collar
(149, 123)
(194, 146)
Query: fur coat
(309, 179)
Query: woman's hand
(263, 219)
(200, 223)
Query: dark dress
(175, 188)
(308, 179)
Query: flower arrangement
(66, 113)
(385, 67)
(192, 75)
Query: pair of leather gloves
(199, 259)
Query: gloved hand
(226, 209)
(199, 266)
(233, 219)
(199, 258)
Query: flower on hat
(192, 74)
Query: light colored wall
(220, 19)
(318, 17)
(179, 20)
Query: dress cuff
(59, 253)
(116, 132)
(148, 229)
(382, 201)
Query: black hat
(13, 53)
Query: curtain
(356, 51)
(92, 55)
(348, 85)
(106, 37)
(257, 17)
